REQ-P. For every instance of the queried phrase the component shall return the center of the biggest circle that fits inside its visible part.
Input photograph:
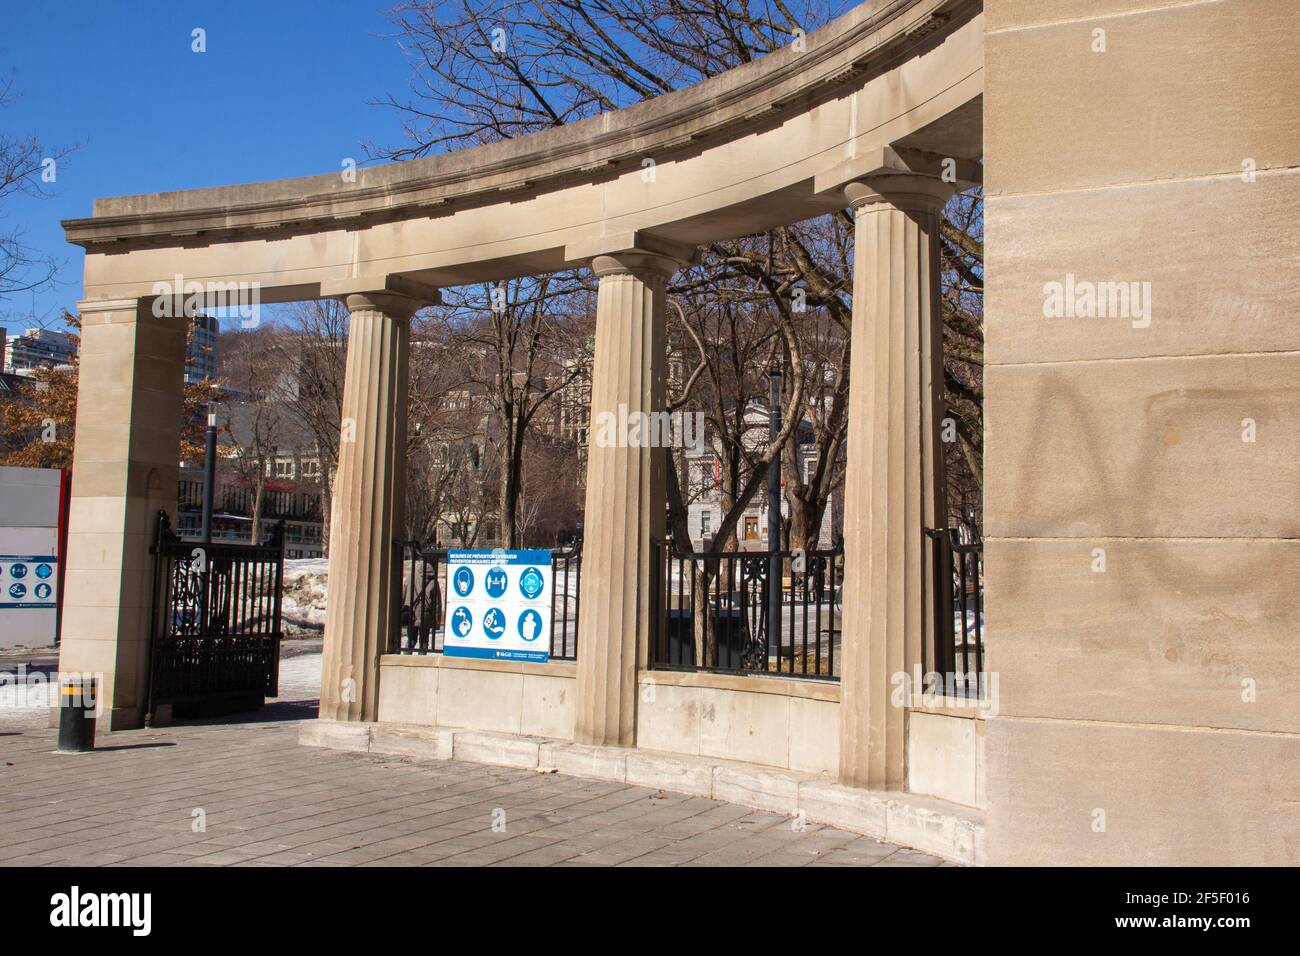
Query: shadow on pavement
(281, 711)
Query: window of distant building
(751, 528)
(706, 522)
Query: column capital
(634, 252)
(909, 192)
(908, 179)
(393, 295)
(635, 262)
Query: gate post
(124, 470)
(362, 601)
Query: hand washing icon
(461, 621)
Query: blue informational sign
(17, 590)
(509, 617)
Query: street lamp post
(209, 473)
(775, 378)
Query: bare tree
(484, 73)
(26, 167)
(310, 348)
(251, 367)
(487, 72)
(439, 375)
(514, 336)
(962, 249)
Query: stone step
(928, 824)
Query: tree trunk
(797, 526)
(326, 508)
(257, 507)
(508, 499)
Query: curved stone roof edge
(728, 104)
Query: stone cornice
(873, 36)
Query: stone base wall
(513, 698)
(945, 757)
(772, 721)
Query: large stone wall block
(1193, 632)
(1113, 794)
(1188, 90)
(1177, 447)
(1193, 267)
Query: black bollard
(77, 704)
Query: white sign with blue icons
(500, 605)
(28, 581)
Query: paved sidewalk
(264, 800)
(267, 801)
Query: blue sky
(281, 91)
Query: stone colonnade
(894, 484)
(125, 467)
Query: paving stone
(267, 801)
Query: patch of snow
(302, 606)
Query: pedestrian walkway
(247, 794)
(241, 791)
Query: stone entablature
(832, 61)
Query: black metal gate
(215, 630)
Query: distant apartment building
(290, 483)
(703, 491)
(47, 348)
(37, 348)
(201, 352)
(232, 512)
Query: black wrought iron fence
(715, 611)
(215, 629)
(956, 652)
(424, 590)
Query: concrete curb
(928, 824)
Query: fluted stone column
(625, 496)
(368, 508)
(894, 479)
